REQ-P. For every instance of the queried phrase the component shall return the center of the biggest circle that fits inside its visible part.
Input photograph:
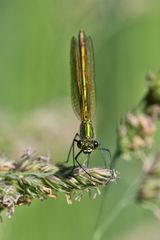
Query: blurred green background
(36, 109)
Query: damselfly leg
(75, 158)
(102, 149)
(72, 148)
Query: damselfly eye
(95, 144)
(79, 144)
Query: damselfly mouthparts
(83, 95)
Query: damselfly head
(87, 146)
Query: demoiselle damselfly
(83, 95)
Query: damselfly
(83, 95)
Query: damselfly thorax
(86, 140)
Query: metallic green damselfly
(83, 95)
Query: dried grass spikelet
(136, 138)
(33, 176)
(136, 131)
(149, 191)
